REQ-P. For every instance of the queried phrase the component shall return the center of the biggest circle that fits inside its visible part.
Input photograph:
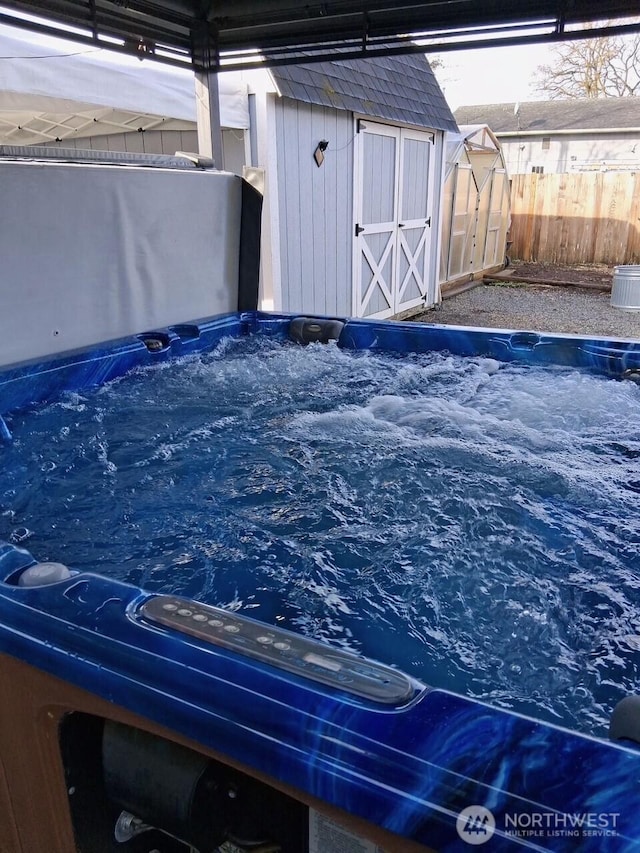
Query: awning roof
(179, 29)
(48, 93)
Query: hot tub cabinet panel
(47, 805)
(412, 774)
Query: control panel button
(283, 649)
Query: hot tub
(129, 705)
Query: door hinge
(428, 222)
(359, 229)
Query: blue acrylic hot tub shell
(36, 381)
(409, 769)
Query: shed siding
(316, 207)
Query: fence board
(581, 218)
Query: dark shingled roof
(398, 88)
(547, 116)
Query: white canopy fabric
(51, 88)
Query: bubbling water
(469, 521)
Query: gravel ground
(537, 308)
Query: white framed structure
(475, 206)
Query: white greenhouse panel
(476, 217)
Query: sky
(491, 75)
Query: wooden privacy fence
(582, 218)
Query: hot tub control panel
(284, 649)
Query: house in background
(350, 155)
(581, 135)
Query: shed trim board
(415, 209)
(267, 160)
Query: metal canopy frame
(200, 32)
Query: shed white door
(393, 209)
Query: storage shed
(354, 230)
(475, 206)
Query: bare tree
(607, 67)
(444, 71)
(435, 61)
